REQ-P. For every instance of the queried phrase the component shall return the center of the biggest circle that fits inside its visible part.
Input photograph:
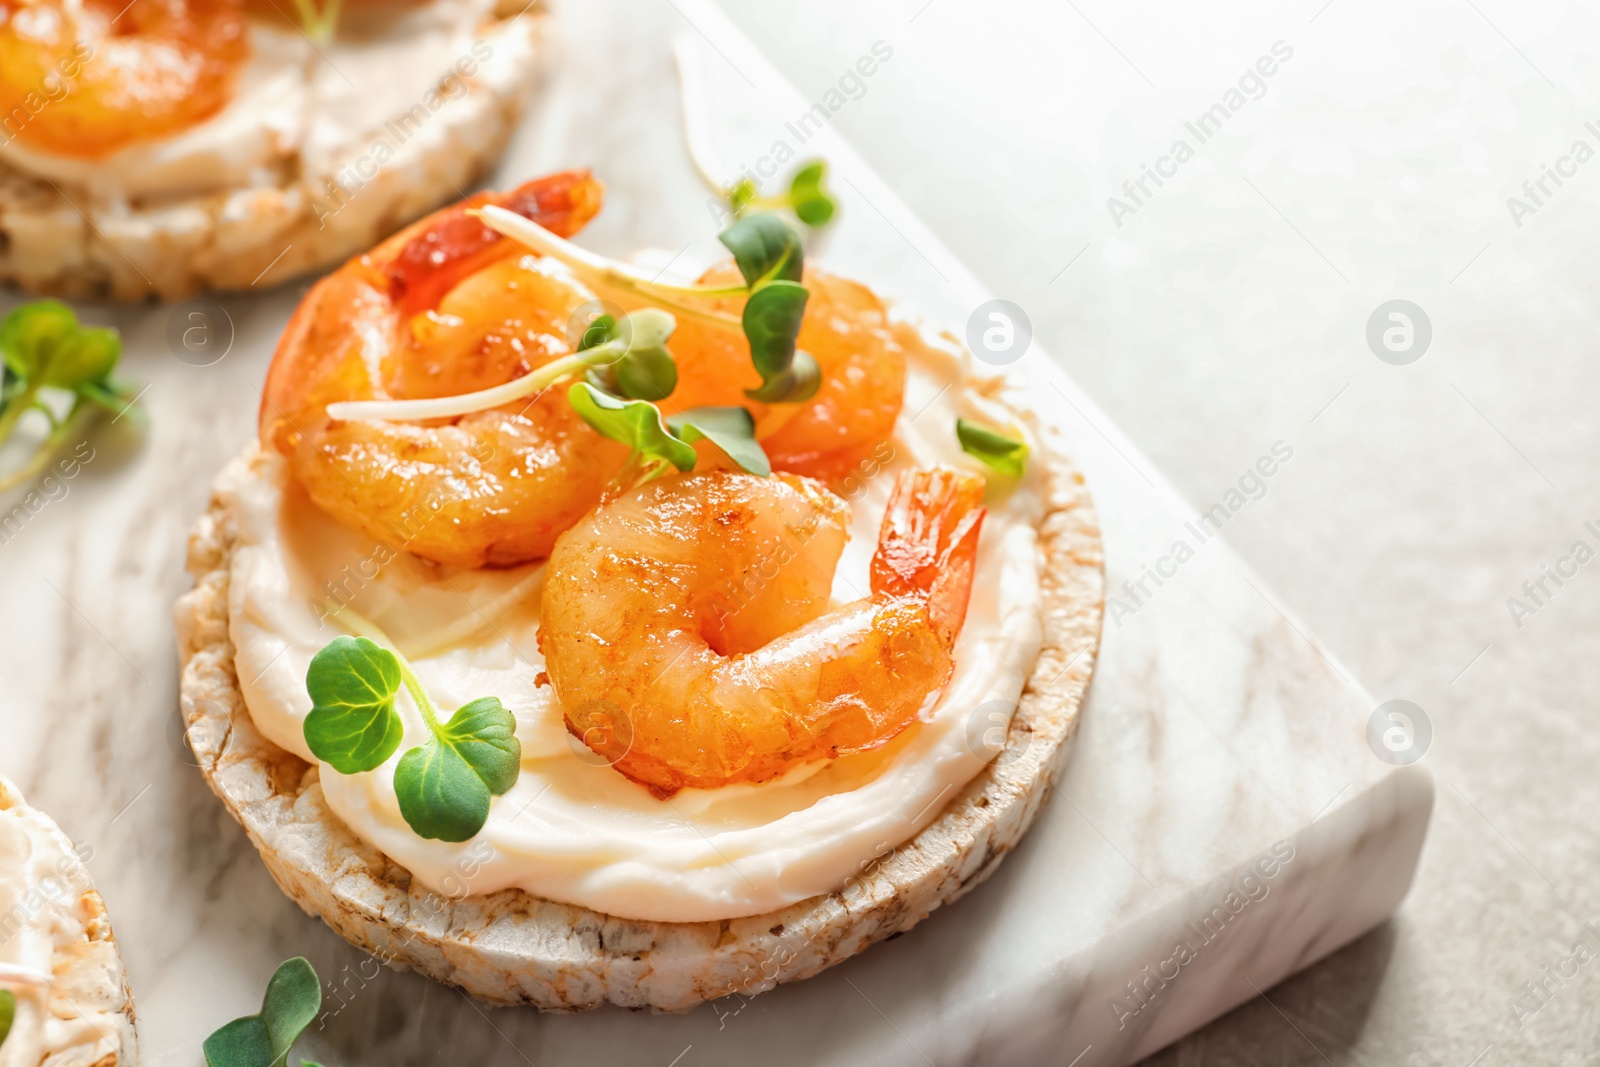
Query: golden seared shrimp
(687, 631)
(443, 308)
(93, 76)
(863, 376)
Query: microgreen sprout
(771, 260)
(646, 370)
(625, 367)
(731, 430)
(47, 354)
(595, 268)
(806, 196)
(1008, 455)
(637, 424)
(292, 1000)
(811, 203)
(445, 785)
(659, 446)
(632, 353)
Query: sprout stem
(639, 469)
(536, 238)
(60, 430)
(449, 407)
(15, 408)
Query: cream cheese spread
(572, 829)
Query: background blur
(1230, 308)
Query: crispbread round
(79, 965)
(511, 947)
(54, 243)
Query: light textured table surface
(1229, 310)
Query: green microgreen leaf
(293, 998)
(768, 253)
(444, 787)
(353, 726)
(43, 343)
(84, 358)
(651, 374)
(771, 321)
(1007, 455)
(741, 195)
(645, 370)
(797, 384)
(636, 423)
(731, 430)
(8, 1014)
(601, 331)
(115, 397)
(766, 249)
(241, 1043)
(771, 260)
(30, 335)
(42, 346)
(810, 202)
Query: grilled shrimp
(85, 78)
(846, 329)
(445, 307)
(688, 633)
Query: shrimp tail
(454, 243)
(562, 203)
(928, 544)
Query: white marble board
(1216, 730)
